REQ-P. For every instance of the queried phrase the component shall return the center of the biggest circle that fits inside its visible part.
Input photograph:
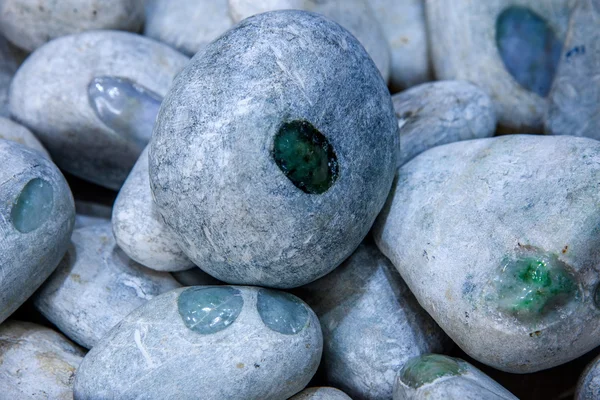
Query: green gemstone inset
(427, 368)
(33, 206)
(281, 312)
(306, 157)
(208, 310)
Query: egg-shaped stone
(321, 393)
(10, 130)
(255, 163)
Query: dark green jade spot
(281, 312)
(33, 206)
(124, 106)
(209, 309)
(305, 157)
(429, 367)
(528, 47)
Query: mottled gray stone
(212, 169)
(371, 324)
(355, 15)
(89, 213)
(436, 377)
(8, 67)
(321, 393)
(157, 352)
(498, 240)
(588, 387)
(49, 95)
(139, 228)
(187, 25)
(30, 23)
(403, 25)
(37, 362)
(441, 112)
(575, 97)
(194, 277)
(35, 227)
(463, 46)
(96, 285)
(10, 130)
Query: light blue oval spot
(33, 206)
(208, 310)
(282, 312)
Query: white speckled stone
(139, 228)
(461, 215)
(321, 393)
(96, 285)
(10, 130)
(588, 387)
(441, 112)
(31, 23)
(37, 362)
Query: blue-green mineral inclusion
(208, 310)
(427, 368)
(529, 48)
(124, 106)
(33, 206)
(281, 312)
(305, 157)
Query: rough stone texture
(27, 259)
(187, 25)
(194, 277)
(49, 95)
(441, 112)
(403, 25)
(30, 23)
(214, 179)
(465, 219)
(37, 362)
(355, 15)
(468, 383)
(463, 46)
(575, 97)
(89, 213)
(8, 67)
(371, 324)
(321, 393)
(96, 285)
(139, 228)
(588, 387)
(10, 130)
(166, 359)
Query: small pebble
(588, 387)
(321, 393)
(10, 130)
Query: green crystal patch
(208, 310)
(429, 367)
(305, 157)
(33, 206)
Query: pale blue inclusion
(33, 206)
(281, 312)
(208, 310)
(529, 48)
(124, 106)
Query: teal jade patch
(33, 206)
(529, 48)
(209, 310)
(427, 368)
(305, 157)
(124, 106)
(282, 312)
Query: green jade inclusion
(429, 367)
(305, 157)
(281, 312)
(33, 206)
(209, 310)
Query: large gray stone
(96, 285)
(588, 387)
(36, 221)
(10, 130)
(257, 168)
(498, 240)
(371, 324)
(37, 362)
(217, 342)
(321, 393)
(92, 99)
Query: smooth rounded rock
(10, 130)
(139, 228)
(96, 285)
(321, 393)
(438, 377)
(30, 23)
(371, 324)
(92, 99)
(36, 221)
(37, 362)
(496, 238)
(257, 169)
(588, 387)
(204, 339)
(508, 48)
(441, 112)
